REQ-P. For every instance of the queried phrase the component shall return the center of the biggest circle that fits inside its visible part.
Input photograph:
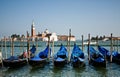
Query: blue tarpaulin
(62, 54)
(77, 52)
(13, 58)
(44, 54)
(107, 52)
(33, 49)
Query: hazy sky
(97, 17)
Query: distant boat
(61, 57)
(96, 59)
(77, 57)
(105, 39)
(40, 59)
(91, 43)
(107, 53)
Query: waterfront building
(43, 36)
(66, 38)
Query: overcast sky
(97, 17)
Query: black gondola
(107, 53)
(96, 59)
(77, 57)
(61, 57)
(40, 59)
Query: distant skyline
(97, 17)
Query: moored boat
(77, 57)
(107, 53)
(14, 61)
(41, 58)
(96, 59)
(61, 57)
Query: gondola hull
(98, 64)
(60, 63)
(14, 63)
(61, 57)
(107, 53)
(37, 63)
(96, 59)
(78, 64)
(116, 60)
(77, 57)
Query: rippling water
(112, 69)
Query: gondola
(14, 61)
(77, 57)
(61, 57)
(17, 61)
(107, 54)
(40, 59)
(96, 58)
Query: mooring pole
(111, 49)
(97, 41)
(23, 44)
(5, 46)
(89, 48)
(1, 57)
(69, 44)
(12, 46)
(113, 44)
(82, 43)
(48, 47)
(28, 45)
(117, 44)
(20, 42)
(36, 43)
(53, 49)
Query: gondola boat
(107, 54)
(96, 58)
(17, 61)
(61, 57)
(77, 57)
(14, 61)
(40, 59)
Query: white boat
(91, 43)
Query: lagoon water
(112, 69)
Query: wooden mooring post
(12, 48)
(111, 49)
(53, 50)
(82, 43)
(5, 47)
(69, 45)
(117, 45)
(36, 40)
(89, 48)
(49, 47)
(97, 41)
(28, 45)
(1, 57)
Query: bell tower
(33, 34)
